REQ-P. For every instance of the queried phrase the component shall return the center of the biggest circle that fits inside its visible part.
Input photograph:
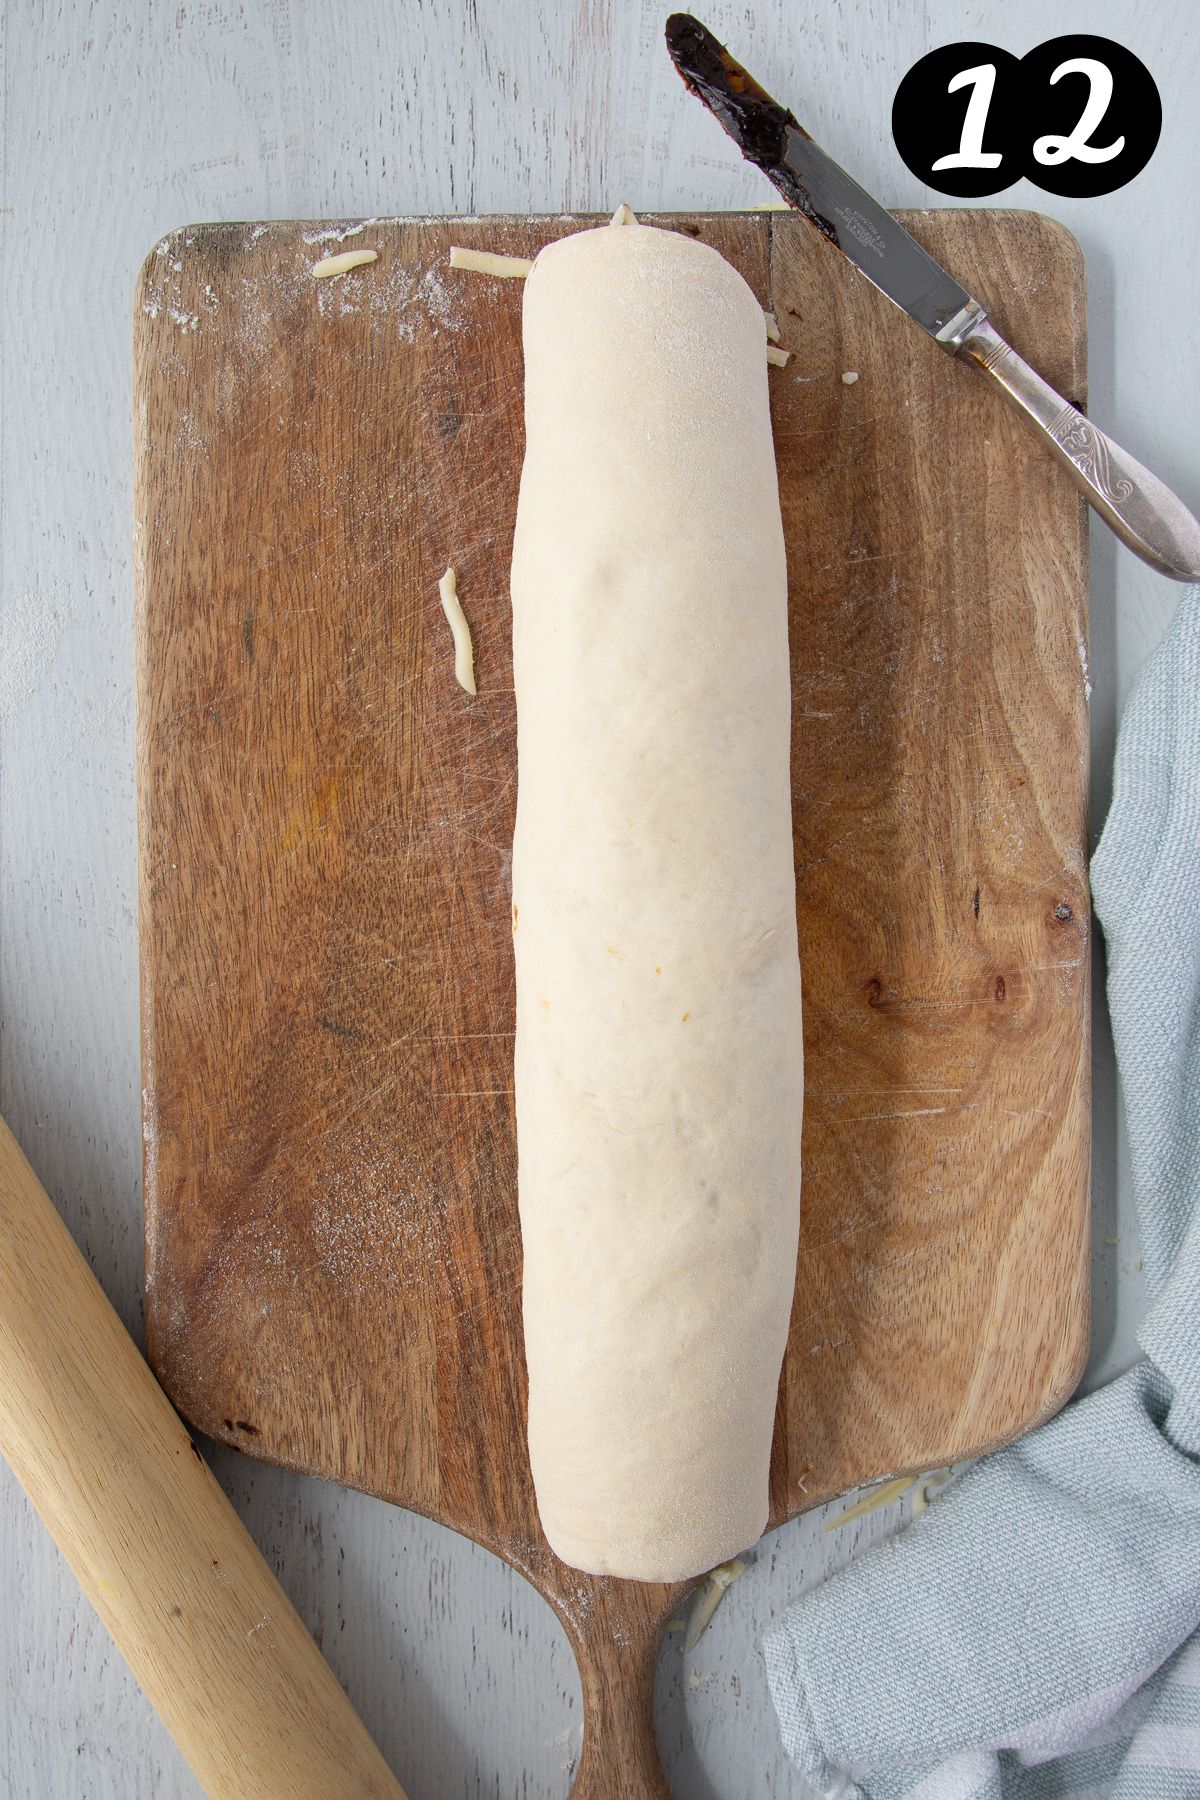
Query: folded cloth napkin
(1036, 1632)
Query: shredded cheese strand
(880, 1496)
(456, 618)
(929, 1488)
(341, 264)
(489, 262)
(772, 324)
(778, 357)
(708, 1598)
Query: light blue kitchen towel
(1036, 1632)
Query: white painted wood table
(121, 120)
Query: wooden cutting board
(333, 1256)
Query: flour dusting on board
(337, 299)
(337, 234)
(164, 287)
(353, 1225)
(263, 292)
(186, 321)
(191, 436)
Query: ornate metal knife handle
(1141, 509)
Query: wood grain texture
(333, 1249)
(938, 591)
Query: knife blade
(1141, 510)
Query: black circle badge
(1095, 115)
(1078, 115)
(957, 120)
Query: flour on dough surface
(658, 1053)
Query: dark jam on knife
(757, 124)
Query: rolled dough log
(658, 1044)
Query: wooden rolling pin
(155, 1545)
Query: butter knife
(1141, 509)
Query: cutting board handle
(616, 1647)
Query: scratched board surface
(333, 1257)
